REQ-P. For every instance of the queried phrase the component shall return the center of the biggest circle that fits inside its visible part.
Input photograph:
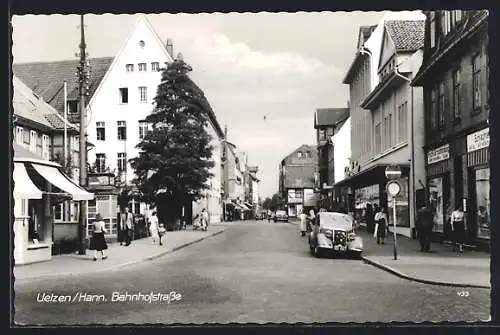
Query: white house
(341, 141)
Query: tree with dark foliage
(174, 160)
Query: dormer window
(299, 154)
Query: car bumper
(325, 243)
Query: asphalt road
(253, 272)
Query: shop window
(476, 81)
(101, 131)
(35, 227)
(122, 130)
(437, 203)
(483, 202)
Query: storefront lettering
(478, 140)
(438, 154)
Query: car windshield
(336, 220)
(280, 212)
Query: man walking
(424, 226)
(126, 225)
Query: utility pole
(82, 90)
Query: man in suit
(126, 226)
(424, 227)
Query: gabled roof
(364, 33)
(46, 79)
(330, 116)
(31, 107)
(407, 35)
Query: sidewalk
(441, 266)
(118, 256)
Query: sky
(264, 74)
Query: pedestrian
(127, 222)
(381, 225)
(303, 224)
(204, 219)
(311, 220)
(458, 226)
(98, 240)
(269, 215)
(161, 232)
(424, 225)
(153, 228)
(369, 218)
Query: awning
(59, 180)
(23, 186)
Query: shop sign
(310, 198)
(439, 154)
(478, 140)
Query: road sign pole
(394, 228)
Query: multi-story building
(327, 122)
(253, 197)
(233, 181)
(46, 209)
(387, 117)
(120, 96)
(454, 77)
(297, 173)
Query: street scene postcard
(251, 168)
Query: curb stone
(115, 267)
(423, 281)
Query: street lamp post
(83, 78)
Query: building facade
(297, 179)
(386, 118)
(454, 77)
(327, 121)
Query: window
(143, 129)
(124, 95)
(143, 97)
(456, 94)
(445, 22)
(130, 67)
(33, 141)
(299, 154)
(75, 211)
(389, 131)
(122, 161)
(142, 67)
(155, 66)
(100, 162)
(432, 32)
(72, 107)
(322, 134)
(59, 212)
(122, 130)
(329, 131)
(433, 115)
(307, 154)
(26, 137)
(45, 146)
(19, 135)
(476, 76)
(456, 17)
(101, 131)
(378, 139)
(441, 105)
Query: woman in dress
(153, 228)
(98, 241)
(381, 220)
(303, 219)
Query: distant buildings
(297, 173)
(327, 122)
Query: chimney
(170, 47)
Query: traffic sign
(393, 188)
(393, 172)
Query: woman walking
(153, 228)
(381, 224)
(98, 241)
(303, 219)
(458, 227)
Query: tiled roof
(46, 79)
(27, 105)
(330, 116)
(407, 35)
(58, 122)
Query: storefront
(438, 184)
(478, 172)
(38, 185)
(295, 201)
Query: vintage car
(334, 233)
(281, 216)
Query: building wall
(342, 150)
(105, 105)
